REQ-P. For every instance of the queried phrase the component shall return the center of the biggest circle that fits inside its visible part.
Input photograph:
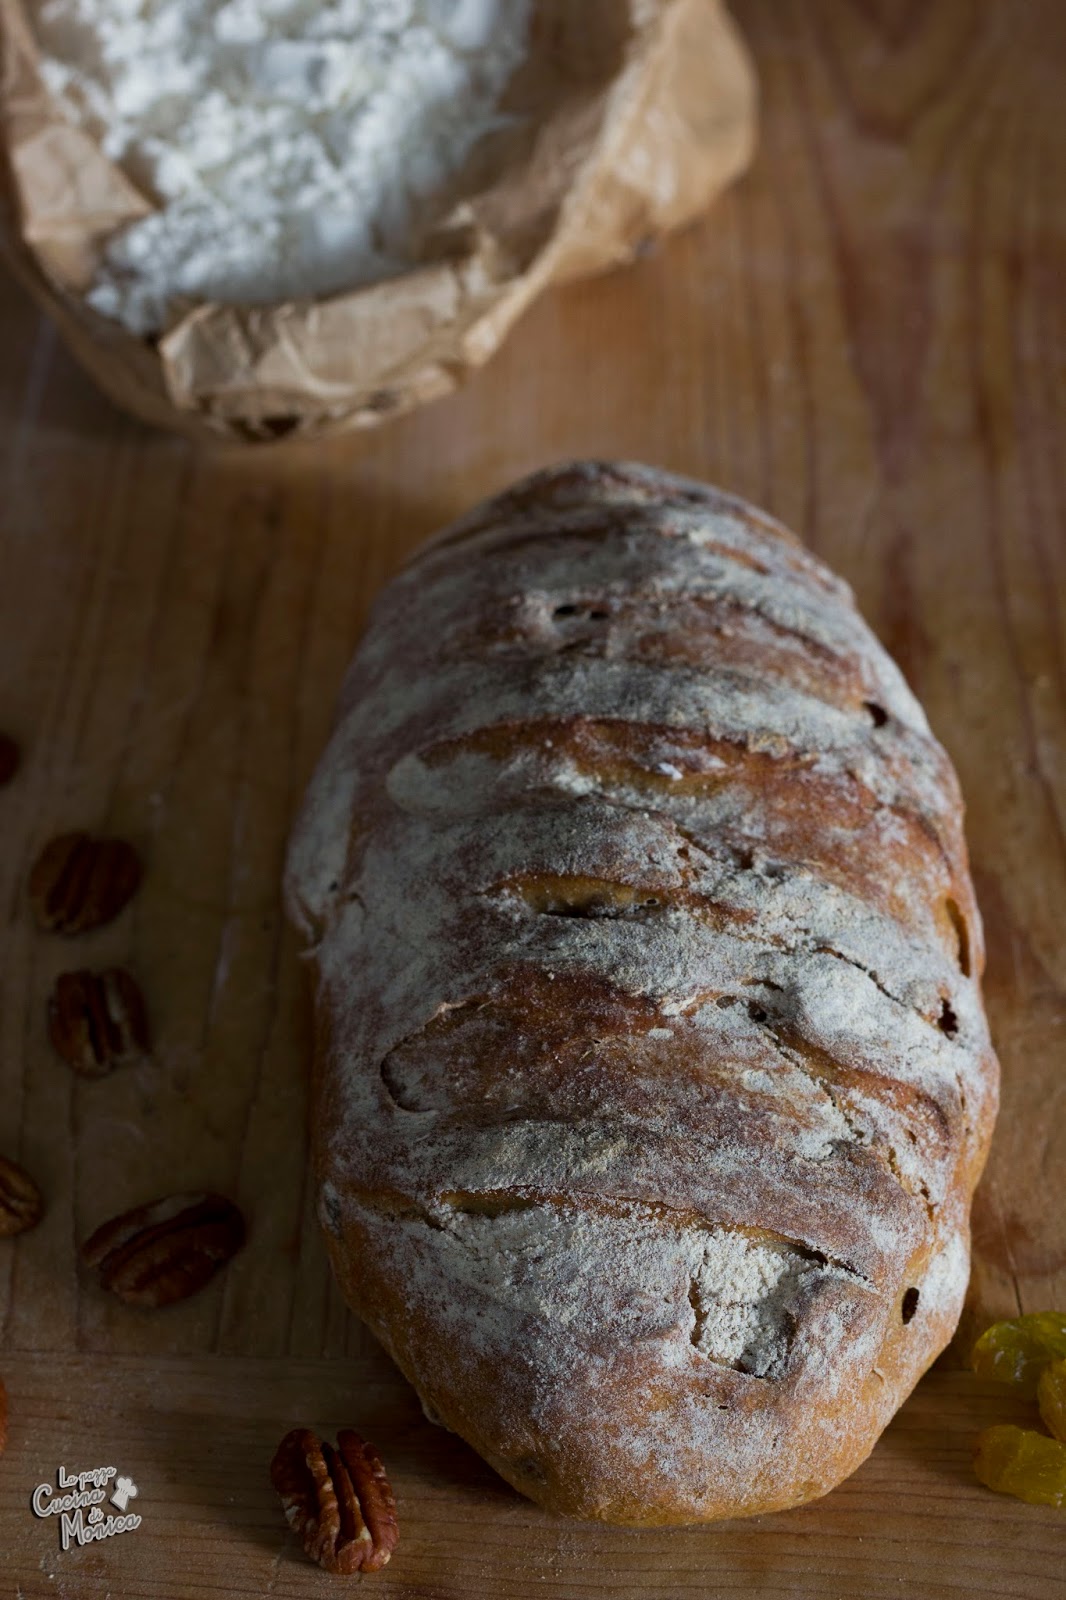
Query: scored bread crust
(652, 1080)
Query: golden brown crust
(652, 1081)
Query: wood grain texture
(867, 336)
(912, 1522)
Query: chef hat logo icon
(125, 1491)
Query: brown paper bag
(630, 116)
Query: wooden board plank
(912, 1521)
(868, 336)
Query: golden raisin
(1051, 1398)
(1016, 1352)
(1024, 1463)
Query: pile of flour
(294, 147)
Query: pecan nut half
(339, 1501)
(166, 1250)
(9, 758)
(79, 883)
(97, 1020)
(21, 1206)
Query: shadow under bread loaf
(652, 1080)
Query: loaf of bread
(652, 1080)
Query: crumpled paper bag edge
(608, 214)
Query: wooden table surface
(868, 337)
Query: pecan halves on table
(78, 883)
(20, 1200)
(97, 1020)
(162, 1252)
(339, 1501)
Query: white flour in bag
(293, 147)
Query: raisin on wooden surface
(1016, 1352)
(1024, 1463)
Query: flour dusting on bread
(653, 1079)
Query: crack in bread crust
(652, 1078)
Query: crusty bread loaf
(652, 1078)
